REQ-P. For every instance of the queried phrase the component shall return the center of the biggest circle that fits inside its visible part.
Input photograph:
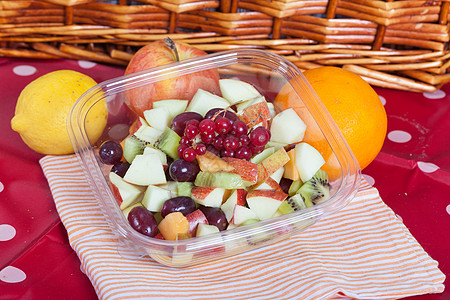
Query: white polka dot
(12, 275)
(119, 131)
(439, 94)
(24, 70)
(86, 64)
(399, 136)
(448, 209)
(382, 99)
(427, 167)
(2, 187)
(370, 180)
(7, 232)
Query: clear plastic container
(269, 73)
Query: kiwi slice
(168, 142)
(316, 190)
(223, 180)
(132, 147)
(295, 185)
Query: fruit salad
(192, 168)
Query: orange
(354, 106)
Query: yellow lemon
(42, 110)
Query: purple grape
(179, 121)
(227, 114)
(215, 216)
(183, 204)
(120, 168)
(182, 170)
(110, 152)
(143, 221)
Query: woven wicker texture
(397, 44)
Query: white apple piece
(263, 155)
(269, 184)
(307, 160)
(162, 156)
(128, 193)
(275, 145)
(146, 170)
(204, 229)
(287, 127)
(273, 113)
(148, 134)
(155, 197)
(203, 101)
(265, 202)
(236, 90)
(194, 218)
(242, 214)
(175, 106)
(237, 197)
(158, 118)
(208, 196)
(278, 174)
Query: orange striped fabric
(360, 252)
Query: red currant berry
(244, 140)
(223, 125)
(207, 138)
(189, 154)
(181, 149)
(256, 149)
(206, 126)
(200, 149)
(185, 141)
(191, 131)
(239, 128)
(218, 142)
(259, 136)
(227, 153)
(243, 153)
(230, 143)
(193, 122)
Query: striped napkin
(362, 252)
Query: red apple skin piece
(241, 194)
(255, 113)
(275, 186)
(116, 193)
(277, 195)
(199, 192)
(247, 170)
(271, 164)
(182, 87)
(194, 218)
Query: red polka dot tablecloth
(412, 175)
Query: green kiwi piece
(168, 143)
(223, 180)
(291, 204)
(132, 147)
(295, 185)
(316, 190)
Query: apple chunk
(174, 106)
(287, 127)
(242, 214)
(126, 194)
(203, 101)
(265, 202)
(158, 118)
(237, 197)
(253, 111)
(307, 160)
(236, 91)
(145, 170)
(208, 196)
(155, 197)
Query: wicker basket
(396, 44)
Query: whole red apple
(182, 87)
